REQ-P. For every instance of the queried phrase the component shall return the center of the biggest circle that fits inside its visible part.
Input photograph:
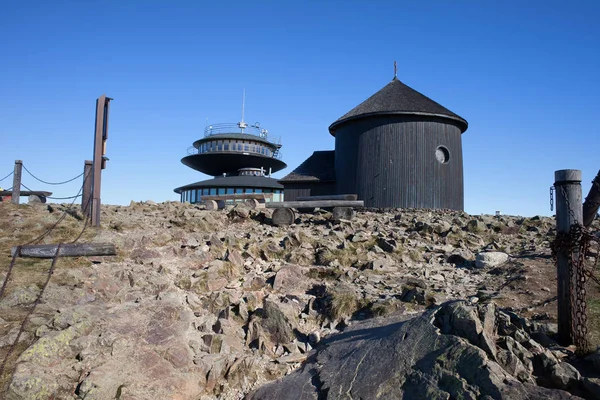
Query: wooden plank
(238, 196)
(26, 193)
(318, 203)
(329, 197)
(66, 250)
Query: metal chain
(35, 304)
(551, 198)
(571, 213)
(64, 198)
(57, 198)
(52, 183)
(10, 268)
(576, 244)
(12, 172)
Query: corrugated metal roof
(398, 98)
(319, 167)
(248, 181)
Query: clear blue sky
(525, 75)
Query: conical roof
(398, 98)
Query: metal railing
(241, 127)
(193, 151)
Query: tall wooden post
(592, 202)
(101, 134)
(16, 189)
(86, 198)
(568, 213)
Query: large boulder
(490, 259)
(407, 359)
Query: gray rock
(400, 359)
(592, 385)
(564, 375)
(594, 359)
(290, 279)
(383, 265)
(490, 259)
(21, 296)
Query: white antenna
(243, 103)
(242, 124)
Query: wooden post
(101, 134)
(283, 216)
(592, 202)
(86, 198)
(568, 212)
(16, 190)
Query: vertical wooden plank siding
(390, 161)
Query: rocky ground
(214, 304)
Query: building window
(246, 148)
(220, 191)
(442, 155)
(239, 147)
(229, 190)
(226, 147)
(239, 190)
(212, 191)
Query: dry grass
(20, 225)
(343, 303)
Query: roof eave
(463, 124)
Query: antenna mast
(395, 72)
(242, 124)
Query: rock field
(221, 304)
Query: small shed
(314, 177)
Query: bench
(342, 209)
(253, 200)
(41, 194)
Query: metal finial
(395, 70)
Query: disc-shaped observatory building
(240, 157)
(398, 148)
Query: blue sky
(525, 76)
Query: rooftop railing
(193, 151)
(241, 127)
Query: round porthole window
(442, 154)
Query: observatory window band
(229, 145)
(195, 196)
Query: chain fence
(11, 172)
(51, 183)
(9, 273)
(576, 245)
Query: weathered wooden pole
(592, 202)
(101, 134)
(16, 189)
(568, 213)
(86, 198)
(66, 250)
